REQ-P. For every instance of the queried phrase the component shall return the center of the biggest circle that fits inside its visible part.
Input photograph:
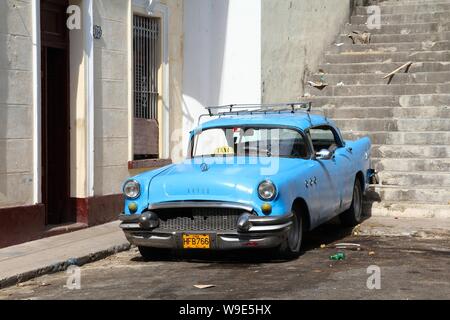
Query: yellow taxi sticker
(224, 150)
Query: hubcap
(294, 234)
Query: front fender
(144, 180)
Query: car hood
(236, 182)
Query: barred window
(146, 57)
(146, 64)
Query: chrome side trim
(200, 204)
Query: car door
(335, 170)
(343, 159)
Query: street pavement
(411, 267)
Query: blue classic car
(255, 177)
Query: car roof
(299, 120)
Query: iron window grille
(146, 39)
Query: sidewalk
(32, 259)
(29, 260)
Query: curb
(63, 265)
(419, 234)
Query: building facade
(95, 91)
(89, 93)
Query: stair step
(378, 101)
(384, 67)
(407, 8)
(381, 89)
(398, 38)
(395, 139)
(411, 151)
(408, 116)
(404, 125)
(374, 79)
(391, 47)
(393, 113)
(412, 164)
(407, 209)
(435, 179)
(359, 57)
(441, 16)
(408, 28)
(388, 3)
(418, 194)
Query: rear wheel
(291, 247)
(149, 253)
(353, 216)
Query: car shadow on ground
(325, 234)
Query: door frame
(36, 68)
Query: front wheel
(291, 247)
(353, 216)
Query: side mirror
(324, 154)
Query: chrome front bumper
(265, 232)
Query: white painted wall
(222, 56)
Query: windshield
(249, 141)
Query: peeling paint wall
(295, 34)
(16, 105)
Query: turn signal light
(266, 208)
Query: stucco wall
(112, 91)
(222, 56)
(111, 96)
(16, 121)
(295, 34)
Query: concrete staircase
(408, 118)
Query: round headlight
(267, 190)
(132, 189)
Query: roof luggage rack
(237, 109)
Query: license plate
(196, 241)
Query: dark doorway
(55, 110)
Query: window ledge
(148, 163)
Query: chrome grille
(199, 219)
